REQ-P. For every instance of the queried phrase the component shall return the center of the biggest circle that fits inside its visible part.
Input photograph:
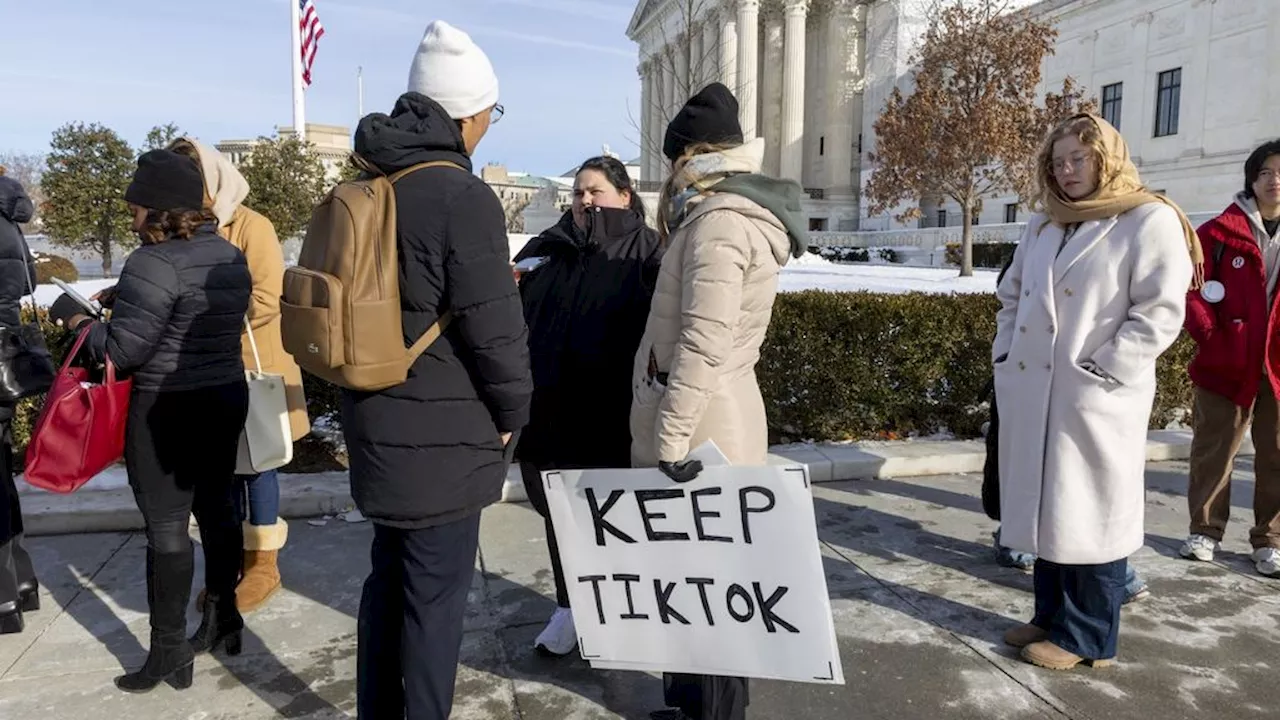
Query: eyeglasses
(1077, 160)
(496, 114)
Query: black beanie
(710, 117)
(166, 180)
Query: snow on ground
(883, 279)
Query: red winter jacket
(1236, 337)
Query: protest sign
(719, 576)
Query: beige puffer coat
(710, 312)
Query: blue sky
(219, 69)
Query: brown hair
(1087, 132)
(669, 188)
(179, 224)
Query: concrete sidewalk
(106, 504)
(919, 607)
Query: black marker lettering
(597, 516)
(699, 513)
(595, 586)
(766, 609)
(747, 509)
(631, 613)
(663, 596)
(702, 584)
(737, 590)
(644, 496)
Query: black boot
(29, 596)
(170, 660)
(11, 621)
(221, 624)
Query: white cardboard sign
(719, 576)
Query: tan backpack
(340, 309)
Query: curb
(313, 495)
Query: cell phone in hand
(91, 307)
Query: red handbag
(80, 430)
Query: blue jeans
(1079, 605)
(262, 493)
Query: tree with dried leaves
(26, 169)
(89, 168)
(286, 181)
(972, 123)
(685, 63)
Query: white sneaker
(1267, 561)
(1199, 547)
(559, 637)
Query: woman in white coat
(1095, 294)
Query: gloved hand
(63, 309)
(681, 472)
(106, 297)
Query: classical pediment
(645, 10)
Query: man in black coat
(18, 591)
(428, 455)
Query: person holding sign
(1095, 294)
(729, 230)
(586, 296)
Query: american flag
(310, 30)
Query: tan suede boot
(261, 577)
(1047, 655)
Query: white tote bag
(266, 442)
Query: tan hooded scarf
(1120, 190)
(225, 188)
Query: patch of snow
(892, 279)
(809, 260)
(517, 241)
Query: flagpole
(299, 98)
(359, 93)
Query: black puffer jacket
(427, 452)
(586, 308)
(178, 315)
(17, 267)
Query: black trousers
(411, 613)
(180, 451)
(15, 563)
(537, 493)
(706, 697)
(1080, 606)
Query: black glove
(683, 471)
(64, 308)
(107, 297)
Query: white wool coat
(1073, 444)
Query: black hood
(15, 206)
(417, 131)
(604, 226)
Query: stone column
(748, 64)
(729, 51)
(792, 165)
(646, 122)
(710, 50)
(844, 97)
(696, 58)
(669, 104)
(682, 71)
(771, 92)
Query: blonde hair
(671, 187)
(1089, 134)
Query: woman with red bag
(178, 311)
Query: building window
(859, 143)
(817, 224)
(1111, 98)
(822, 145)
(1168, 102)
(942, 218)
(1011, 213)
(973, 218)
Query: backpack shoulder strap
(395, 177)
(432, 334)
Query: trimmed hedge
(49, 266)
(985, 255)
(859, 366)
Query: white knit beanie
(452, 70)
